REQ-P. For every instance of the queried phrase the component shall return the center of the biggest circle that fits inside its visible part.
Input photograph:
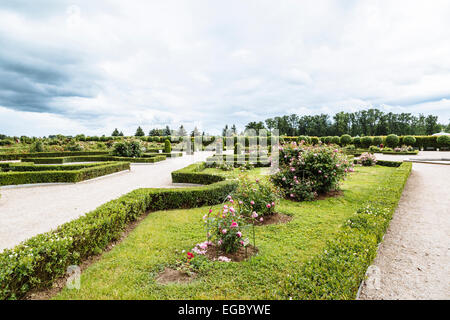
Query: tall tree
(139, 132)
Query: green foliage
(314, 140)
(345, 139)
(409, 140)
(193, 174)
(37, 262)
(237, 160)
(307, 171)
(259, 196)
(34, 174)
(127, 149)
(377, 141)
(443, 141)
(139, 132)
(392, 140)
(340, 269)
(335, 140)
(167, 146)
(366, 142)
(38, 146)
(356, 141)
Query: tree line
(371, 122)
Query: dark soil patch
(60, 283)
(275, 218)
(330, 194)
(170, 275)
(213, 253)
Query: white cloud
(151, 63)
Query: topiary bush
(345, 139)
(366, 142)
(357, 141)
(392, 140)
(314, 140)
(335, 140)
(443, 141)
(377, 141)
(367, 159)
(409, 140)
(167, 146)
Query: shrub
(37, 147)
(367, 159)
(258, 196)
(127, 149)
(38, 261)
(366, 142)
(377, 141)
(357, 141)
(226, 227)
(338, 271)
(374, 149)
(302, 138)
(307, 171)
(392, 140)
(443, 141)
(335, 140)
(314, 140)
(327, 140)
(167, 146)
(409, 140)
(73, 146)
(345, 139)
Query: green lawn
(128, 271)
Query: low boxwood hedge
(61, 160)
(258, 162)
(401, 152)
(193, 174)
(54, 176)
(168, 155)
(37, 262)
(338, 272)
(18, 156)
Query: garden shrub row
(37, 262)
(256, 161)
(338, 272)
(18, 156)
(168, 155)
(61, 160)
(26, 166)
(193, 174)
(52, 176)
(385, 163)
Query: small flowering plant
(226, 227)
(367, 159)
(257, 195)
(306, 171)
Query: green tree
(115, 133)
(139, 132)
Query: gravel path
(29, 210)
(413, 261)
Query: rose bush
(306, 171)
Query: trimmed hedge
(401, 152)
(18, 156)
(168, 155)
(37, 262)
(193, 174)
(61, 160)
(260, 161)
(385, 163)
(52, 176)
(338, 272)
(20, 167)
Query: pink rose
(224, 231)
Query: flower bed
(37, 262)
(307, 171)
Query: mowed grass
(129, 270)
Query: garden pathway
(29, 210)
(413, 261)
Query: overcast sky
(90, 66)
